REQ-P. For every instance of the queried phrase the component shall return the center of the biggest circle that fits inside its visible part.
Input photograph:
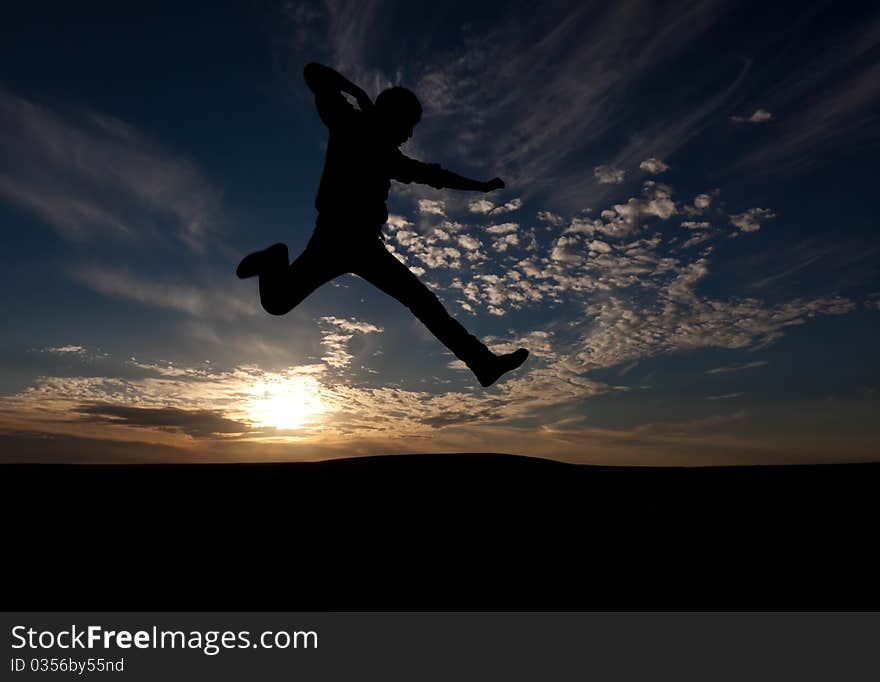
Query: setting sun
(285, 402)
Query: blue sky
(687, 241)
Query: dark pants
(332, 252)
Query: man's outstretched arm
(451, 180)
(328, 86)
(432, 174)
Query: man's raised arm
(324, 81)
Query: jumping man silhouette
(363, 156)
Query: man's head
(399, 111)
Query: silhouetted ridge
(439, 531)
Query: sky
(687, 242)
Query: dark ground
(438, 532)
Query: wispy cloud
(483, 206)
(702, 201)
(337, 336)
(200, 300)
(486, 207)
(558, 86)
(751, 220)
(826, 104)
(640, 296)
(736, 368)
(196, 423)
(90, 175)
(246, 414)
(432, 206)
(654, 166)
(550, 218)
(65, 350)
(502, 228)
(606, 175)
(758, 116)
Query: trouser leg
(381, 269)
(284, 287)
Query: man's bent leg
(285, 286)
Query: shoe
(257, 262)
(490, 370)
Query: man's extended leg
(381, 269)
(284, 285)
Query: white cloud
(65, 350)
(512, 205)
(550, 217)
(432, 206)
(407, 238)
(759, 116)
(397, 222)
(430, 253)
(606, 175)
(653, 166)
(437, 234)
(622, 220)
(486, 207)
(659, 201)
(698, 238)
(502, 243)
(702, 201)
(352, 325)
(336, 336)
(623, 330)
(480, 206)
(451, 226)
(502, 228)
(169, 369)
(468, 243)
(750, 220)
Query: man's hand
(493, 184)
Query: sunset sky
(687, 242)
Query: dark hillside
(472, 531)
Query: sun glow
(285, 402)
